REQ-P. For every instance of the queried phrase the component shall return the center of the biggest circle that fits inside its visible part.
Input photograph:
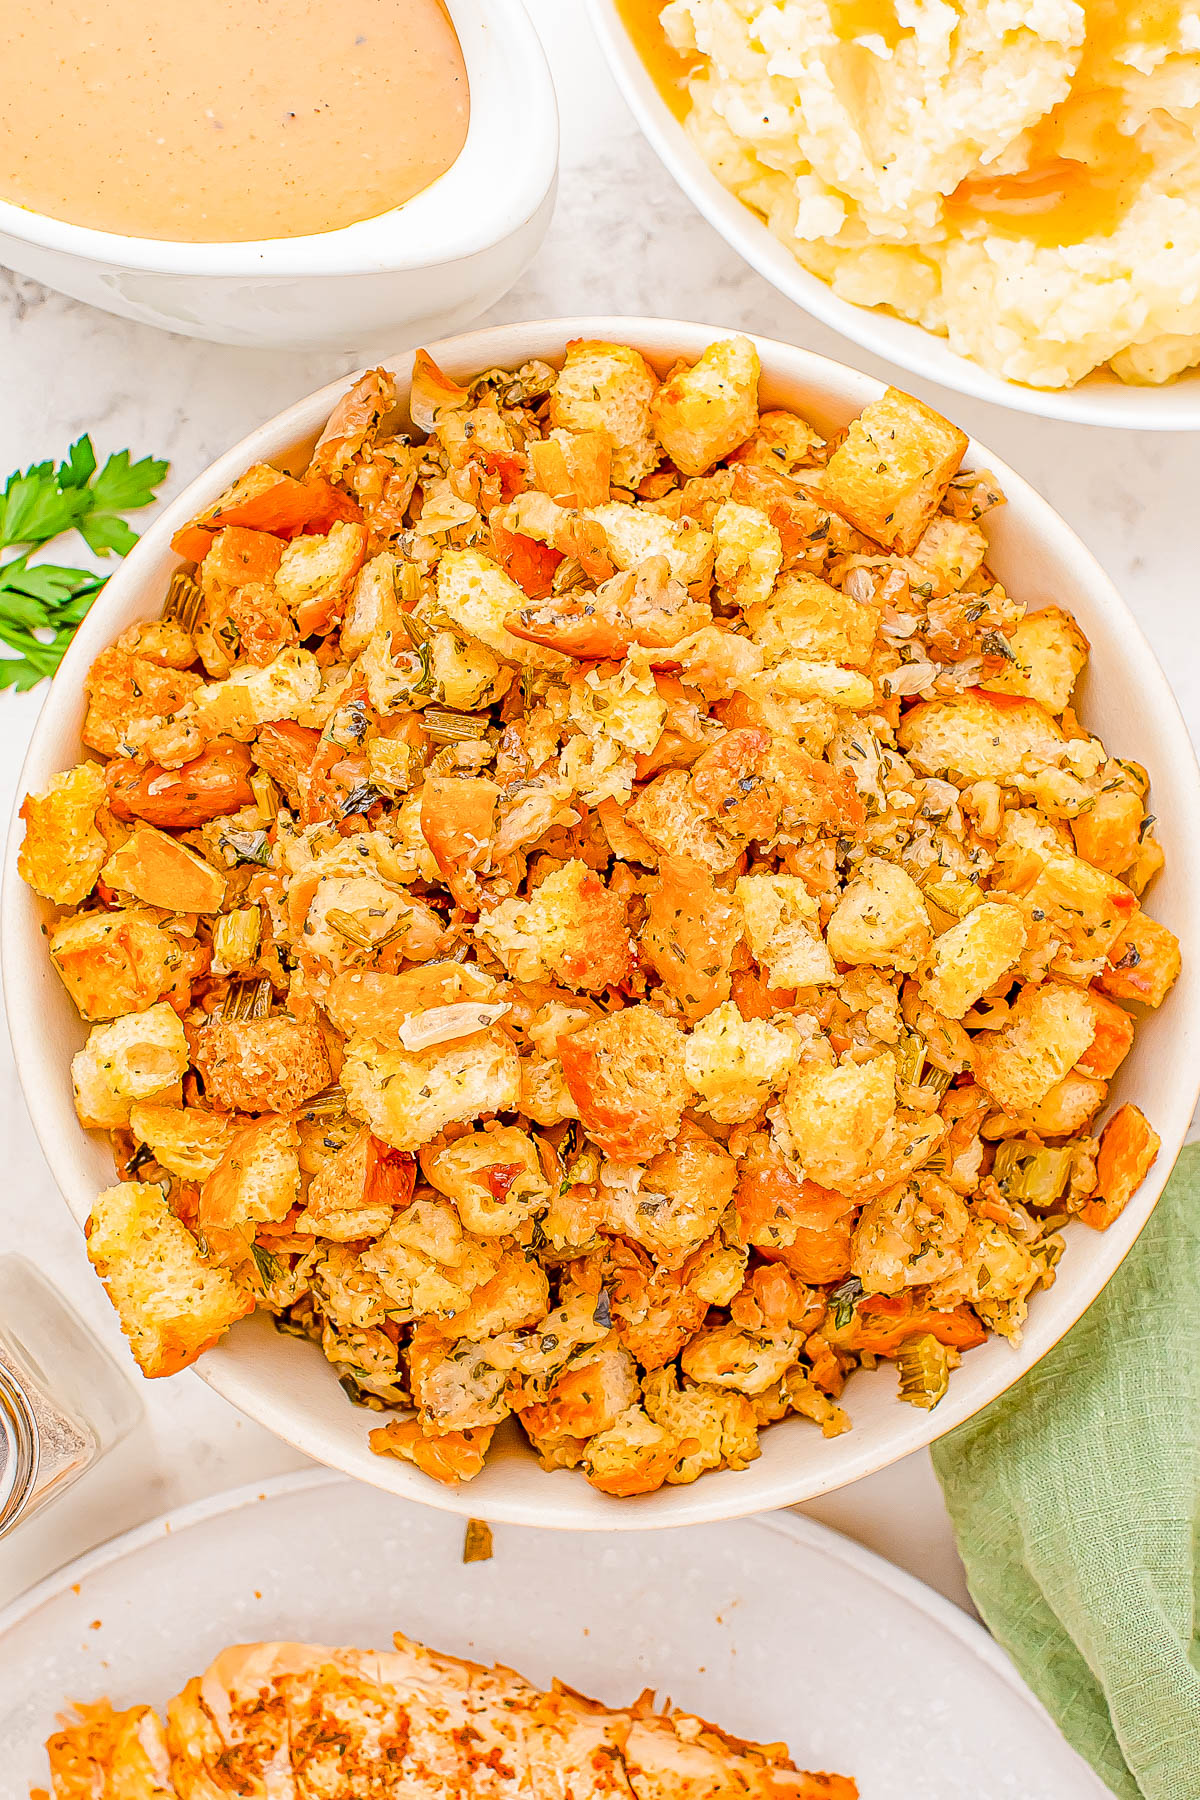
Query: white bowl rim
(1100, 399)
(559, 1503)
(480, 199)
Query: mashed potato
(1022, 176)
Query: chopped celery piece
(924, 1365)
(1031, 1173)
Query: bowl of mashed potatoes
(1002, 199)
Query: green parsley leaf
(41, 604)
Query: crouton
(971, 956)
(674, 1204)
(172, 1304)
(409, 1096)
(781, 925)
(477, 594)
(1065, 1111)
(593, 1390)
(806, 617)
(257, 1179)
(880, 919)
(978, 736)
(139, 1057)
(633, 536)
(624, 706)
(889, 473)
(254, 696)
(62, 851)
(1048, 1030)
(671, 818)
(372, 604)
(571, 927)
(1048, 652)
(427, 1264)
(609, 388)
(626, 1076)
(100, 1754)
(160, 871)
(315, 574)
(797, 678)
(494, 1177)
(728, 1356)
(355, 1192)
(270, 1065)
(708, 408)
(125, 693)
(1112, 1039)
(947, 555)
(634, 1456)
(714, 1428)
(1083, 906)
(749, 554)
(1109, 833)
(908, 1235)
(188, 1141)
(1143, 961)
(691, 932)
(735, 1063)
(837, 1115)
(117, 962)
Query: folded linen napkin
(1076, 1501)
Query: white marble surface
(623, 240)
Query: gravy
(226, 120)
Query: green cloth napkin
(1076, 1501)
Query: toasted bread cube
(1049, 652)
(837, 1115)
(633, 536)
(1082, 905)
(142, 1056)
(1112, 1040)
(889, 473)
(1128, 1147)
(126, 1752)
(626, 1075)
(971, 957)
(426, 1263)
(782, 931)
(714, 1427)
(408, 1096)
(494, 1177)
(188, 1140)
(160, 871)
(667, 814)
(796, 679)
(116, 962)
(1067, 1109)
(948, 554)
(749, 554)
(317, 571)
(806, 617)
(372, 605)
(634, 1456)
(257, 1179)
(1046, 1033)
(880, 919)
(734, 1063)
(262, 1065)
(704, 411)
(625, 706)
(62, 852)
(126, 691)
(571, 928)
(1109, 833)
(173, 1306)
(1143, 961)
(609, 388)
(977, 736)
(253, 696)
(477, 594)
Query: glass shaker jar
(63, 1401)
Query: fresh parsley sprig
(41, 604)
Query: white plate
(776, 1627)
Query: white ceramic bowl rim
(1100, 399)
(495, 185)
(294, 1394)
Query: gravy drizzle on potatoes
(602, 911)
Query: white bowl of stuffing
(582, 914)
(1002, 204)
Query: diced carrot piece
(215, 782)
(238, 556)
(883, 1321)
(1142, 963)
(192, 542)
(1110, 1046)
(530, 564)
(1128, 1147)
